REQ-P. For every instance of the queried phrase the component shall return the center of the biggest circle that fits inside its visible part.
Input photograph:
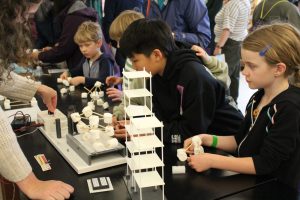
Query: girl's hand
(49, 97)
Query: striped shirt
(234, 16)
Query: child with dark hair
(185, 96)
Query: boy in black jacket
(185, 96)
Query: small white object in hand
(181, 155)
(107, 118)
(66, 83)
(75, 117)
(59, 80)
(87, 111)
(84, 95)
(109, 130)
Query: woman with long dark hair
(14, 41)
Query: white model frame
(142, 160)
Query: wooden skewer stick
(22, 104)
(92, 89)
(188, 147)
(98, 114)
(87, 89)
(15, 101)
(101, 126)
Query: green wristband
(214, 142)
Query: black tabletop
(212, 184)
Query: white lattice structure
(141, 142)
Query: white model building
(143, 163)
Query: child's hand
(49, 97)
(64, 75)
(114, 94)
(201, 53)
(113, 80)
(77, 80)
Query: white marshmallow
(181, 154)
(75, 117)
(178, 169)
(91, 105)
(196, 140)
(82, 127)
(63, 90)
(107, 118)
(66, 83)
(7, 105)
(98, 84)
(1, 98)
(198, 150)
(100, 102)
(109, 130)
(69, 79)
(87, 111)
(84, 95)
(35, 50)
(98, 146)
(6, 101)
(72, 88)
(94, 121)
(101, 94)
(59, 80)
(112, 143)
(105, 105)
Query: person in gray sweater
(14, 166)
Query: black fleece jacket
(190, 101)
(273, 142)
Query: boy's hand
(114, 94)
(64, 75)
(113, 80)
(77, 80)
(201, 53)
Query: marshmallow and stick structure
(198, 149)
(8, 103)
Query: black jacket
(274, 140)
(190, 101)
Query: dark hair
(144, 35)
(14, 36)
